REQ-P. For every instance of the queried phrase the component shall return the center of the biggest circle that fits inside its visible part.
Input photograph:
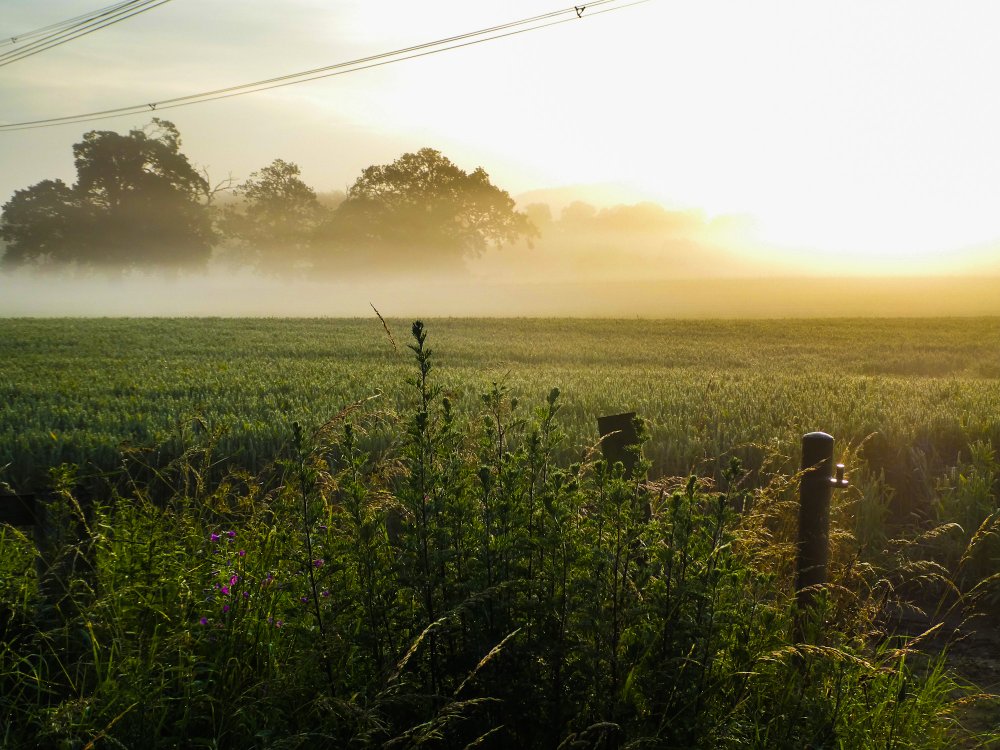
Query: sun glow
(860, 139)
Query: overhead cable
(533, 23)
(32, 42)
(24, 35)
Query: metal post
(815, 491)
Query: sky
(849, 137)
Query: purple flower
(213, 537)
(325, 594)
(224, 590)
(225, 608)
(242, 553)
(318, 563)
(234, 579)
(304, 599)
(231, 534)
(203, 621)
(278, 624)
(246, 594)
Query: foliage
(275, 221)
(422, 211)
(137, 201)
(460, 586)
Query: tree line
(138, 202)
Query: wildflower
(278, 624)
(234, 579)
(318, 563)
(224, 590)
(325, 594)
(246, 594)
(242, 553)
(304, 599)
(225, 608)
(203, 621)
(213, 537)
(231, 534)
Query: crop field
(271, 533)
(917, 393)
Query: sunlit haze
(804, 139)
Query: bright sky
(856, 134)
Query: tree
(423, 208)
(38, 224)
(274, 225)
(137, 201)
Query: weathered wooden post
(19, 510)
(24, 511)
(815, 491)
(618, 435)
(55, 565)
(620, 442)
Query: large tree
(423, 210)
(137, 202)
(272, 226)
(38, 224)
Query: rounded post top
(817, 452)
(817, 436)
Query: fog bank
(243, 294)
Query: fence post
(617, 436)
(59, 559)
(815, 491)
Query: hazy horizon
(782, 140)
(226, 294)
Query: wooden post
(55, 565)
(617, 436)
(19, 510)
(815, 492)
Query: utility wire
(74, 28)
(492, 33)
(7, 41)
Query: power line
(59, 24)
(73, 28)
(492, 33)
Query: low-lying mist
(222, 293)
(620, 261)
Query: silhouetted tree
(38, 224)
(137, 201)
(273, 225)
(422, 210)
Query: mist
(624, 260)
(226, 294)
